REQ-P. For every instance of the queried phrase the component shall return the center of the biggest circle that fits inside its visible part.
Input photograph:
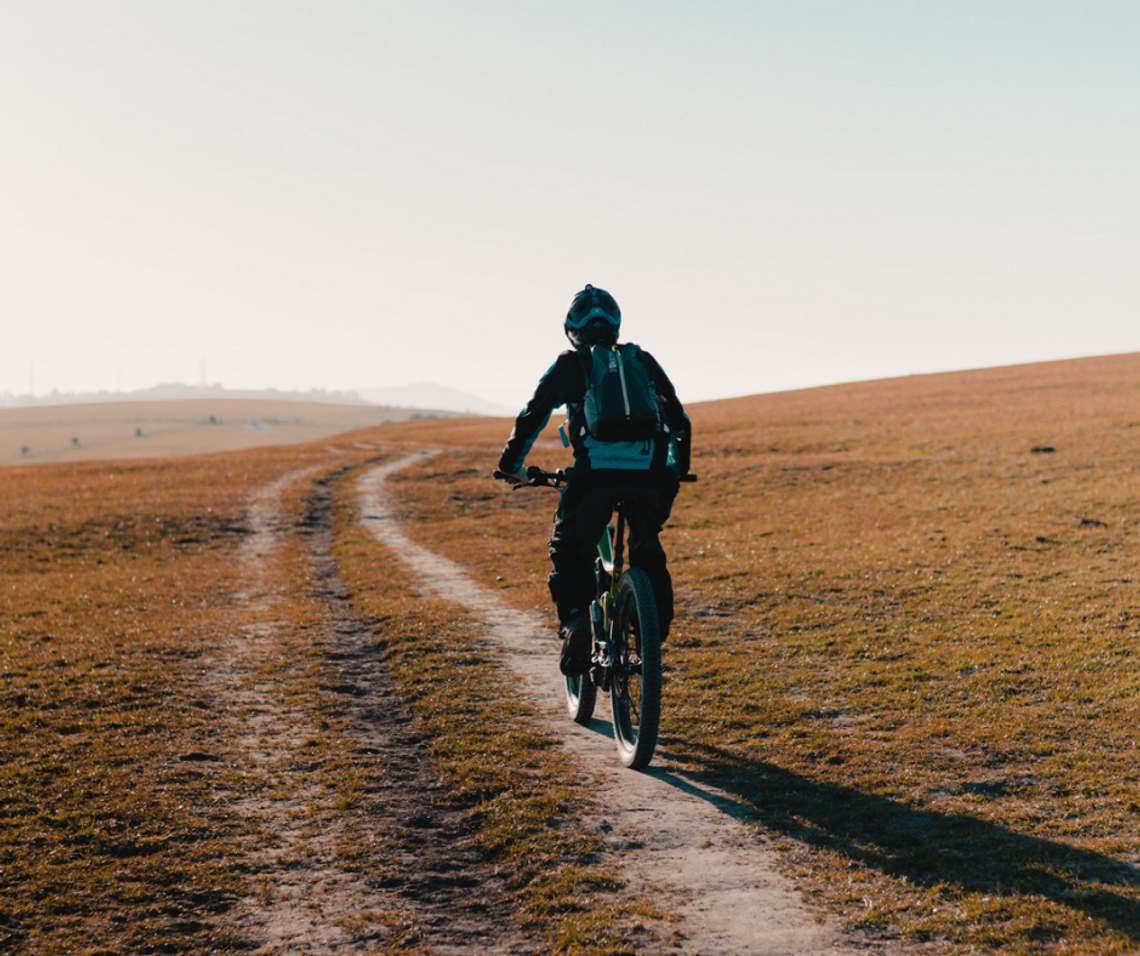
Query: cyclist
(600, 469)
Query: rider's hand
(516, 478)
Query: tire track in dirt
(311, 899)
(669, 835)
(293, 867)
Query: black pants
(583, 513)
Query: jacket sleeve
(680, 428)
(555, 389)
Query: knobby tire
(635, 691)
(581, 695)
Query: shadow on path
(927, 847)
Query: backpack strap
(664, 437)
(576, 422)
(586, 358)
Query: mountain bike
(625, 659)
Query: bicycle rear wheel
(635, 691)
(581, 695)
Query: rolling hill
(175, 427)
(905, 660)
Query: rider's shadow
(927, 847)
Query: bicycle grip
(512, 480)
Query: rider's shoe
(577, 641)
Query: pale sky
(366, 194)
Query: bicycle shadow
(927, 847)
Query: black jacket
(565, 384)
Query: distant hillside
(429, 395)
(173, 427)
(179, 392)
(424, 396)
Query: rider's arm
(679, 425)
(556, 388)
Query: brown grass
(906, 640)
(108, 838)
(905, 645)
(120, 768)
(523, 796)
(104, 431)
(122, 775)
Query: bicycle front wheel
(635, 689)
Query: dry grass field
(138, 429)
(906, 645)
(184, 764)
(908, 639)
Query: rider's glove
(516, 477)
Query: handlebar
(537, 478)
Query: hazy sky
(362, 194)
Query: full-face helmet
(594, 318)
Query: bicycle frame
(611, 558)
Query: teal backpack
(621, 402)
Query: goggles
(581, 317)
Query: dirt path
(666, 832)
(311, 897)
